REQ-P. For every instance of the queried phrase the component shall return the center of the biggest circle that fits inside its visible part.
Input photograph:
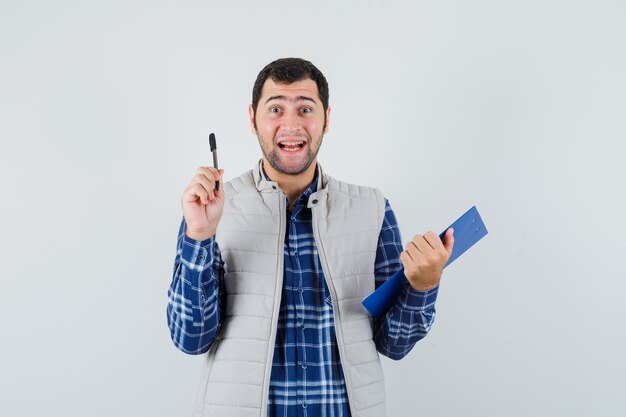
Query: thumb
(448, 240)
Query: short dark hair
(290, 70)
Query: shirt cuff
(411, 299)
(196, 253)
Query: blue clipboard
(468, 229)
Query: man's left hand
(424, 258)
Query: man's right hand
(202, 204)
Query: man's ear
(327, 119)
(251, 115)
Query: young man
(271, 270)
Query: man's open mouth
(291, 146)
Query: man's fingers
(431, 246)
(422, 245)
(217, 173)
(207, 183)
(194, 192)
(412, 251)
(406, 260)
(211, 172)
(433, 240)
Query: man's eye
(274, 110)
(305, 110)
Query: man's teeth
(291, 146)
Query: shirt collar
(303, 198)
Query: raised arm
(194, 296)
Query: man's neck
(292, 185)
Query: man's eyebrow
(299, 98)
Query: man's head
(289, 113)
(287, 71)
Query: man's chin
(290, 168)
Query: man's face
(289, 124)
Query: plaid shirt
(307, 377)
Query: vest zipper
(276, 310)
(333, 296)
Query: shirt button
(300, 290)
(273, 186)
(314, 201)
(304, 404)
(304, 365)
(296, 253)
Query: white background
(517, 107)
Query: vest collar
(264, 185)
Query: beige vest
(346, 224)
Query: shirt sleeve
(411, 316)
(194, 303)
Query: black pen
(213, 146)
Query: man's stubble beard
(275, 162)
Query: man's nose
(291, 121)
